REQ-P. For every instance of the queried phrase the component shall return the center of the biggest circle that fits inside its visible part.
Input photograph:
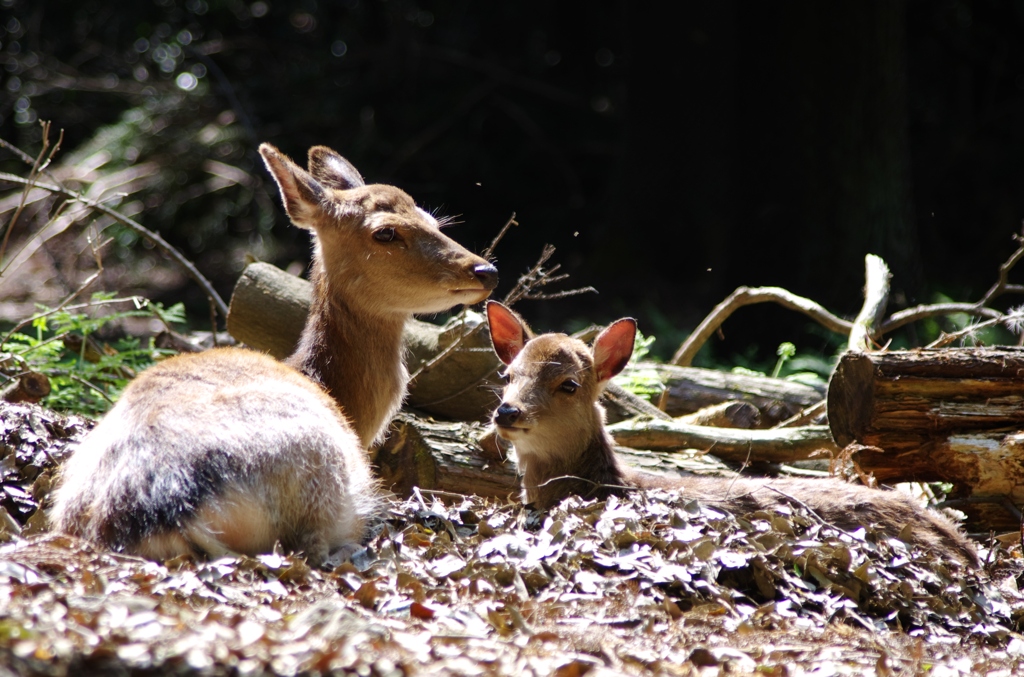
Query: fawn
(551, 415)
(230, 451)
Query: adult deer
(230, 451)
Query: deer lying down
(550, 413)
(230, 451)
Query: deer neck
(356, 355)
(585, 466)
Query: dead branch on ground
(872, 332)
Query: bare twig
(38, 164)
(923, 312)
(89, 384)
(804, 417)
(946, 339)
(497, 238)
(85, 285)
(745, 296)
(525, 287)
(152, 236)
(873, 306)
(1002, 285)
(538, 277)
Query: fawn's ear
(300, 192)
(332, 170)
(613, 347)
(508, 331)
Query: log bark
(986, 469)
(783, 445)
(725, 415)
(268, 309)
(902, 401)
(689, 389)
(949, 415)
(442, 457)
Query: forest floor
(651, 584)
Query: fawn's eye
(385, 235)
(569, 386)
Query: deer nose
(506, 415)
(487, 274)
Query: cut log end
(851, 397)
(31, 387)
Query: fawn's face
(554, 381)
(387, 254)
(550, 394)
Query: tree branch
(745, 296)
(876, 296)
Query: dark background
(670, 154)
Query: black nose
(487, 274)
(506, 415)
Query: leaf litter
(649, 584)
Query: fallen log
(782, 445)
(441, 456)
(30, 387)
(950, 415)
(725, 415)
(269, 307)
(689, 389)
(905, 401)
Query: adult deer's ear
(508, 331)
(613, 348)
(300, 192)
(332, 170)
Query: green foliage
(810, 369)
(785, 351)
(641, 381)
(86, 376)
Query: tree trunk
(441, 457)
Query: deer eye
(385, 235)
(569, 386)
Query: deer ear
(613, 347)
(508, 331)
(332, 170)
(300, 192)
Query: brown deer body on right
(551, 415)
(230, 451)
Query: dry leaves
(649, 584)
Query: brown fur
(231, 451)
(563, 449)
